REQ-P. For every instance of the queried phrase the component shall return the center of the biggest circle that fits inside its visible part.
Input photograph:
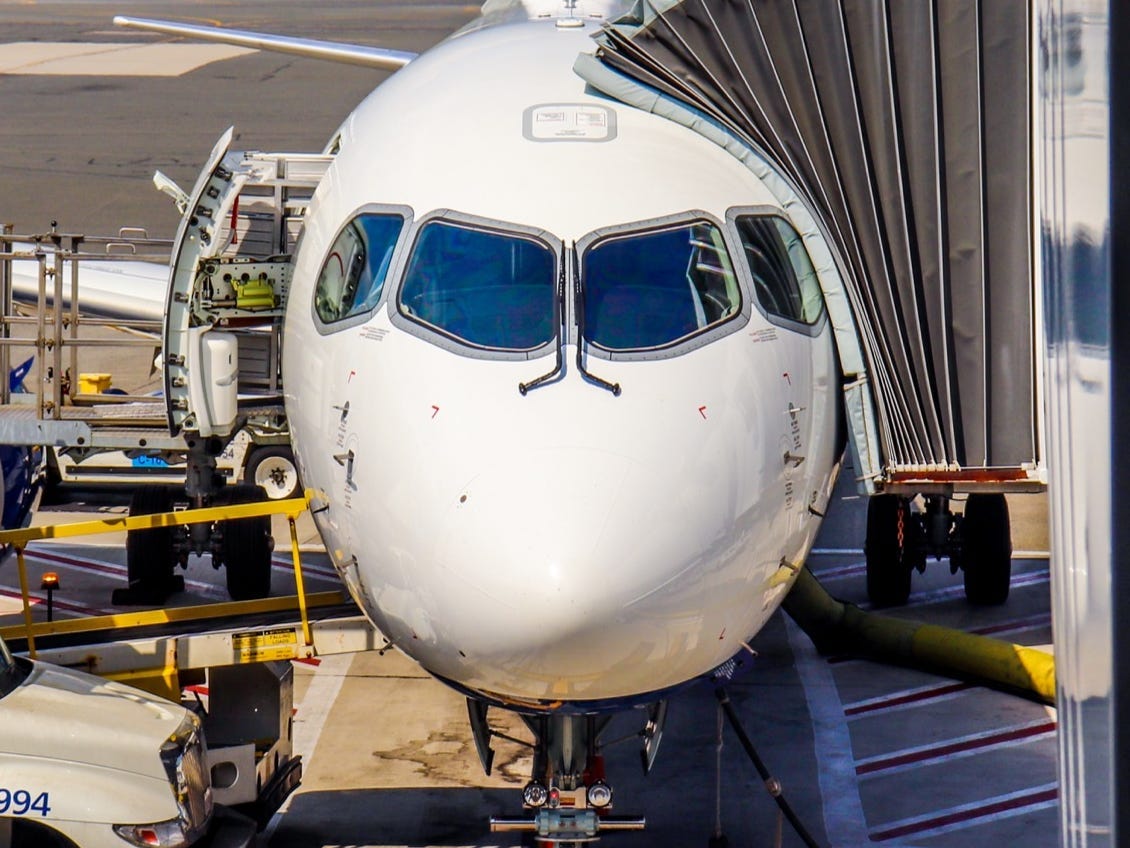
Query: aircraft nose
(560, 542)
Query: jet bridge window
(784, 280)
(354, 273)
(650, 289)
(492, 289)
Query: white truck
(88, 763)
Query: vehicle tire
(986, 558)
(272, 469)
(889, 562)
(246, 546)
(151, 554)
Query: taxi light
(599, 794)
(535, 794)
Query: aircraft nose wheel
(151, 555)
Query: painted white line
(310, 718)
(953, 749)
(844, 821)
(965, 816)
(906, 699)
(106, 59)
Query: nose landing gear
(567, 800)
(900, 539)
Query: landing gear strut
(900, 539)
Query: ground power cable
(772, 784)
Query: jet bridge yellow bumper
(954, 653)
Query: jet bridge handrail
(291, 508)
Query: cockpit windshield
(486, 287)
(652, 288)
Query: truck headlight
(182, 755)
(166, 834)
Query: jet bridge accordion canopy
(906, 128)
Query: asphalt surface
(866, 753)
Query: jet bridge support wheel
(986, 549)
(245, 546)
(890, 528)
(151, 555)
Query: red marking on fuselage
(702, 411)
(788, 379)
(352, 374)
(435, 410)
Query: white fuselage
(568, 544)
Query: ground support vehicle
(95, 764)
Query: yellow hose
(845, 628)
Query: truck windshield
(650, 289)
(489, 288)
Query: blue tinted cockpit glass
(488, 288)
(649, 289)
(353, 274)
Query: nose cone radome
(569, 564)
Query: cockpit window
(650, 289)
(488, 288)
(783, 277)
(354, 273)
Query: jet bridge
(905, 130)
(901, 135)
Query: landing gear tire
(272, 469)
(889, 562)
(986, 558)
(246, 546)
(151, 554)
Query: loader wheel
(888, 558)
(246, 545)
(272, 469)
(151, 554)
(986, 558)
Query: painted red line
(88, 564)
(966, 815)
(908, 698)
(66, 606)
(956, 747)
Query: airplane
(560, 379)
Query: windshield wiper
(579, 310)
(560, 336)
